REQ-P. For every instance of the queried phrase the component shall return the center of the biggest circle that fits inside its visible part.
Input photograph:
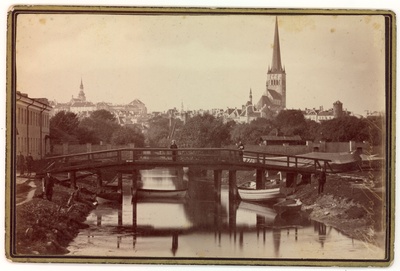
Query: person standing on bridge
(174, 152)
(321, 181)
(241, 149)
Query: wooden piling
(72, 179)
(232, 186)
(290, 179)
(119, 176)
(99, 179)
(306, 178)
(135, 174)
(217, 185)
(260, 179)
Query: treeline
(100, 127)
(209, 131)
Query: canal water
(199, 227)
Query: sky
(202, 61)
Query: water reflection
(198, 226)
(321, 229)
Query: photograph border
(390, 67)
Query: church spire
(81, 95)
(276, 54)
(251, 97)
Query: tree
(63, 127)
(158, 131)
(103, 114)
(126, 135)
(312, 131)
(204, 131)
(251, 133)
(102, 125)
(291, 122)
(85, 135)
(343, 129)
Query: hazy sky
(201, 61)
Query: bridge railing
(187, 155)
(290, 161)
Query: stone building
(320, 114)
(32, 125)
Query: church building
(274, 98)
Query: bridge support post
(119, 174)
(232, 186)
(306, 178)
(217, 184)
(260, 179)
(134, 184)
(291, 179)
(99, 179)
(73, 179)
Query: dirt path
(25, 190)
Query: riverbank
(351, 202)
(46, 227)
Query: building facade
(32, 125)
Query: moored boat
(108, 197)
(158, 193)
(248, 192)
(288, 206)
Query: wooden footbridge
(129, 161)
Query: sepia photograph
(224, 136)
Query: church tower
(81, 95)
(276, 76)
(274, 98)
(251, 97)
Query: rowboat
(158, 193)
(108, 197)
(288, 206)
(248, 192)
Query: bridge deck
(204, 158)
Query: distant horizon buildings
(131, 113)
(271, 102)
